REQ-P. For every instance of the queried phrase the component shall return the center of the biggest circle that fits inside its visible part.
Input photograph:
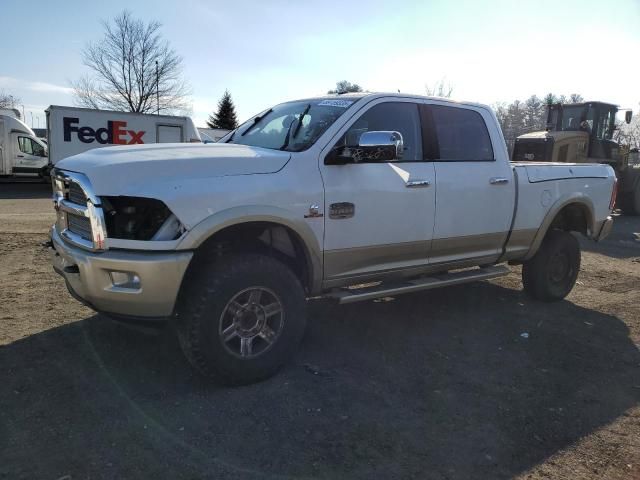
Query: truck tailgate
(546, 171)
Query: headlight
(136, 218)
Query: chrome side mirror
(380, 146)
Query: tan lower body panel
(381, 262)
(519, 244)
(358, 261)
(444, 250)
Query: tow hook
(71, 269)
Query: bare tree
(346, 87)
(8, 101)
(576, 98)
(439, 89)
(123, 70)
(628, 134)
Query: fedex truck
(22, 154)
(73, 130)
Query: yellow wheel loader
(583, 132)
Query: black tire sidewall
(536, 272)
(635, 200)
(222, 283)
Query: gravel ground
(474, 381)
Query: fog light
(125, 280)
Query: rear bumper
(605, 229)
(88, 276)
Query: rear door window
(462, 135)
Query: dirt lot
(440, 385)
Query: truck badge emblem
(342, 210)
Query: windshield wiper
(256, 120)
(295, 132)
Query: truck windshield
(292, 126)
(571, 117)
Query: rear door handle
(20, 156)
(498, 180)
(417, 183)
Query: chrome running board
(351, 294)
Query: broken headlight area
(136, 218)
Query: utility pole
(31, 119)
(157, 88)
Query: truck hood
(125, 170)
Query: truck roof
(582, 104)
(117, 112)
(14, 124)
(374, 95)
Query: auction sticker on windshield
(335, 103)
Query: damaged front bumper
(127, 283)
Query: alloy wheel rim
(560, 267)
(251, 322)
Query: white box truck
(73, 130)
(22, 153)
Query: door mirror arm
(334, 157)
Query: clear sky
(266, 52)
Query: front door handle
(498, 180)
(20, 156)
(417, 183)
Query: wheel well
(572, 218)
(266, 238)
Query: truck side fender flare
(258, 213)
(568, 199)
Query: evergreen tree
(225, 118)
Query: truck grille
(80, 219)
(76, 195)
(80, 226)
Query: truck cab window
(30, 147)
(605, 125)
(25, 146)
(462, 134)
(391, 116)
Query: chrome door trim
(417, 183)
(498, 180)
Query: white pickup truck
(351, 197)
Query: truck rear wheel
(631, 204)
(241, 318)
(552, 272)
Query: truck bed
(547, 171)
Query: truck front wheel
(552, 272)
(241, 318)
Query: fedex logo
(115, 133)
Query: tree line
(518, 117)
(133, 69)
